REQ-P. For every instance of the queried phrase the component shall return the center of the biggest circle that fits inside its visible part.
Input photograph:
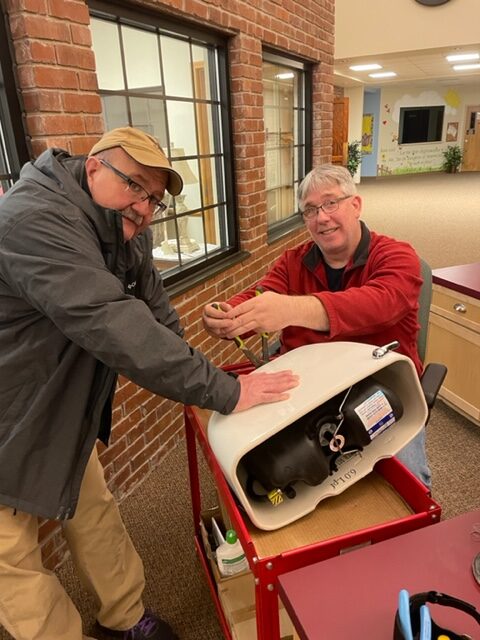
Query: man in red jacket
(347, 283)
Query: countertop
(464, 278)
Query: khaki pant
(33, 603)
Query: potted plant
(453, 158)
(354, 156)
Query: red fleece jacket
(378, 302)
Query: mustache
(130, 214)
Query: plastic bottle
(230, 555)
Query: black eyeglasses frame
(137, 189)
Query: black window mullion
(14, 146)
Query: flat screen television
(420, 124)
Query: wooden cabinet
(454, 340)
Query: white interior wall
(389, 26)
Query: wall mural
(395, 158)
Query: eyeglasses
(138, 191)
(330, 206)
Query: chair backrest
(424, 301)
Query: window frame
(13, 143)
(283, 227)
(188, 275)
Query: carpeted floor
(440, 215)
(158, 516)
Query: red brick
(34, 51)
(117, 482)
(34, 6)
(112, 452)
(125, 457)
(81, 146)
(120, 429)
(81, 102)
(55, 78)
(136, 434)
(50, 124)
(87, 80)
(45, 100)
(144, 455)
(70, 55)
(74, 11)
(94, 124)
(38, 26)
(136, 400)
(81, 34)
(124, 390)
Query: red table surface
(355, 595)
(464, 278)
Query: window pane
(177, 67)
(190, 197)
(188, 238)
(142, 61)
(202, 72)
(115, 111)
(206, 114)
(181, 123)
(209, 182)
(149, 115)
(216, 229)
(106, 45)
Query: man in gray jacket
(80, 302)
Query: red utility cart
(388, 502)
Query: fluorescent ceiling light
(458, 57)
(384, 74)
(285, 76)
(464, 67)
(365, 67)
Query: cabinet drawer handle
(460, 307)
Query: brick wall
(55, 70)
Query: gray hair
(323, 176)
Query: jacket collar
(65, 174)
(314, 256)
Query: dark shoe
(149, 627)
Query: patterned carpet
(158, 517)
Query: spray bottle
(230, 555)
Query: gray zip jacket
(78, 306)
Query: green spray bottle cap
(231, 536)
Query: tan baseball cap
(143, 148)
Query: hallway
(438, 213)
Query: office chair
(434, 373)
